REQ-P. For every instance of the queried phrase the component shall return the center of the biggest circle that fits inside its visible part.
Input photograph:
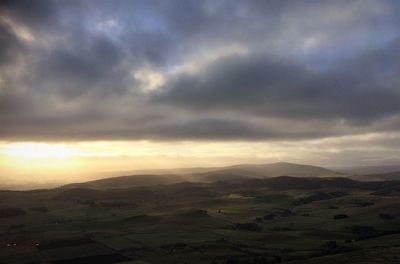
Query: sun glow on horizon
(80, 161)
(38, 151)
(85, 160)
(37, 162)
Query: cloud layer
(198, 70)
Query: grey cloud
(268, 86)
(9, 45)
(30, 12)
(312, 69)
(97, 65)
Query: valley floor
(277, 220)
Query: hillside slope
(128, 181)
(277, 169)
(210, 175)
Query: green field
(240, 221)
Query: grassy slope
(203, 217)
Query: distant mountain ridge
(252, 167)
(282, 169)
(209, 175)
(389, 176)
(367, 170)
(192, 190)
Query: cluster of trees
(340, 216)
(251, 260)
(9, 212)
(40, 209)
(282, 213)
(106, 203)
(249, 227)
(318, 196)
(386, 216)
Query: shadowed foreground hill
(194, 191)
(243, 220)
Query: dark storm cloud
(174, 70)
(30, 12)
(73, 72)
(359, 90)
(10, 46)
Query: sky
(99, 86)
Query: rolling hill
(243, 220)
(367, 170)
(390, 176)
(128, 181)
(243, 171)
(269, 170)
